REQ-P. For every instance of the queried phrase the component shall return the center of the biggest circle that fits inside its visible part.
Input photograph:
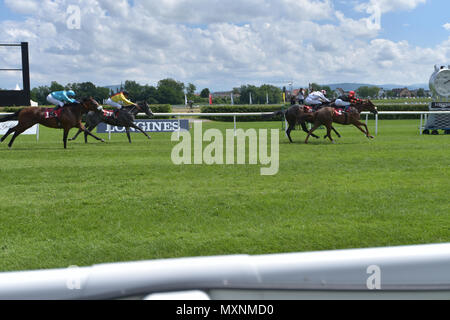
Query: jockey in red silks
(345, 101)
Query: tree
(40, 94)
(170, 91)
(420, 93)
(366, 91)
(190, 91)
(134, 89)
(205, 93)
(55, 86)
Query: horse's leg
(89, 128)
(11, 130)
(316, 125)
(288, 132)
(359, 125)
(367, 130)
(20, 128)
(329, 126)
(305, 129)
(335, 131)
(80, 126)
(65, 135)
(76, 135)
(137, 128)
(128, 134)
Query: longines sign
(148, 126)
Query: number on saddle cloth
(50, 113)
(109, 113)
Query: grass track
(114, 202)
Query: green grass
(110, 202)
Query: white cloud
(389, 5)
(447, 26)
(212, 43)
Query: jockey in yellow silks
(119, 100)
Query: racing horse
(123, 117)
(297, 114)
(327, 115)
(69, 117)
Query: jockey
(345, 101)
(119, 100)
(59, 98)
(316, 99)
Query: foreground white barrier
(407, 272)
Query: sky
(223, 44)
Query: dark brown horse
(70, 117)
(327, 115)
(297, 115)
(123, 117)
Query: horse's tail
(11, 117)
(274, 114)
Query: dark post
(26, 73)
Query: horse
(123, 117)
(297, 114)
(327, 115)
(69, 117)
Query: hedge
(242, 109)
(397, 107)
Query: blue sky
(7, 14)
(421, 26)
(221, 44)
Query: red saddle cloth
(338, 112)
(108, 113)
(52, 113)
(308, 109)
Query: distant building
(402, 93)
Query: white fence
(406, 272)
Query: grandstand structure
(18, 97)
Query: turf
(115, 201)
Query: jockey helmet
(351, 94)
(324, 92)
(70, 93)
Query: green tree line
(168, 91)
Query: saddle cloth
(52, 113)
(308, 108)
(108, 113)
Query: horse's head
(143, 107)
(90, 104)
(366, 105)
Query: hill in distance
(355, 86)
